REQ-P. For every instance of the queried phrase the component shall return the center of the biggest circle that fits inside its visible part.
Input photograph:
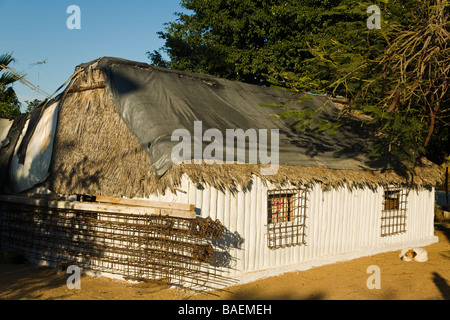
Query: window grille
(286, 215)
(393, 218)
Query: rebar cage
(286, 217)
(135, 246)
(393, 216)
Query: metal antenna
(39, 69)
(21, 77)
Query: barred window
(286, 215)
(393, 217)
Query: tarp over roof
(110, 100)
(154, 102)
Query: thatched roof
(96, 153)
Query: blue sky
(37, 30)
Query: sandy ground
(339, 281)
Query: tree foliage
(403, 87)
(9, 103)
(417, 65)
(397, 76)
(32, 104)
(243, 39)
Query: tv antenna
(39, 69)
(20, 76)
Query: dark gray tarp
(7, 148)
(154, 102)
(34, 116)
(18, 146)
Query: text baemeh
(240, 309)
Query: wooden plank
(99, 207)
(146, 203)
(178, 213)
(120, 208)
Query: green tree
(243, 39)
(397, 76)
(32, 104)
(9, 103)
(325, 46)
(417, 71)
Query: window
(286, 215)
(280, 207)
(393, 217)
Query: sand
(399, 280)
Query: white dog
(416, 254)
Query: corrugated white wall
(341, 224)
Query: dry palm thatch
(95, 153)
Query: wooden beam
(100, 207)
(146, 203)
(119, 208)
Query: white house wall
(341, 224)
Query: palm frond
(5, 59)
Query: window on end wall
(393, 217)
(286, 215)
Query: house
(91, 175)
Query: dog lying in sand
(414, 254)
